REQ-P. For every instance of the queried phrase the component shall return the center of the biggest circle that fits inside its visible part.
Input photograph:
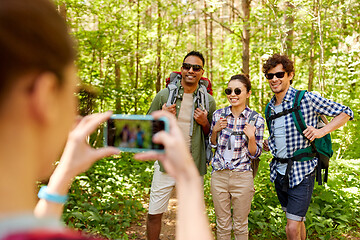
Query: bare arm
(311, 133)
(191, 216)
(78, 156)
(177, 161)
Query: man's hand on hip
(311, 133)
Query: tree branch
(223, 26)
(238, 13)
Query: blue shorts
(295, 202)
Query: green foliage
(208, 199)
(108, 197)
(266, 217)
(334, 208)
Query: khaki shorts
(161, 188)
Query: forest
(126, 50)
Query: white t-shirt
(184, 117)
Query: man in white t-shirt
(195, 128)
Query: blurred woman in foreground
(37, 112)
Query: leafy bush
(107, 198)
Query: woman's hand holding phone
(177, 158)
(78, 156)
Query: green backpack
(320, 147)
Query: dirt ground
(138, 230)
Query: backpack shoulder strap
(297, 115)
(204, 82)
(253, 117)
(173, 88)
(267, 116)
(204, 98)
(254, 162)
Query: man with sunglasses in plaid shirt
(285, 139)
(194, 121)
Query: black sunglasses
(187, 66)
(271, 75)
(237, 91)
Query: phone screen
(132, 134)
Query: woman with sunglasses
(236, 142)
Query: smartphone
(133, 133)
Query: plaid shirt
(312, 106)
(241, 156)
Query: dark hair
(276, 59)
(244, 79)
(34, 38)
(195, 53)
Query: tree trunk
(211, 47)
(137, 55)
(101, 65)
(260, 88)
(321, 74)
(196, 29)
(289, 20)
(118, 87)
(206, 41)
(312, 50)
(158, 50)
(231, 12)
(245, 5)
(221, 15)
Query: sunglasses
(237, 91)
(187, 66)
(271, 75)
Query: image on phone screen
(132, 133)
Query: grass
(107, 199)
